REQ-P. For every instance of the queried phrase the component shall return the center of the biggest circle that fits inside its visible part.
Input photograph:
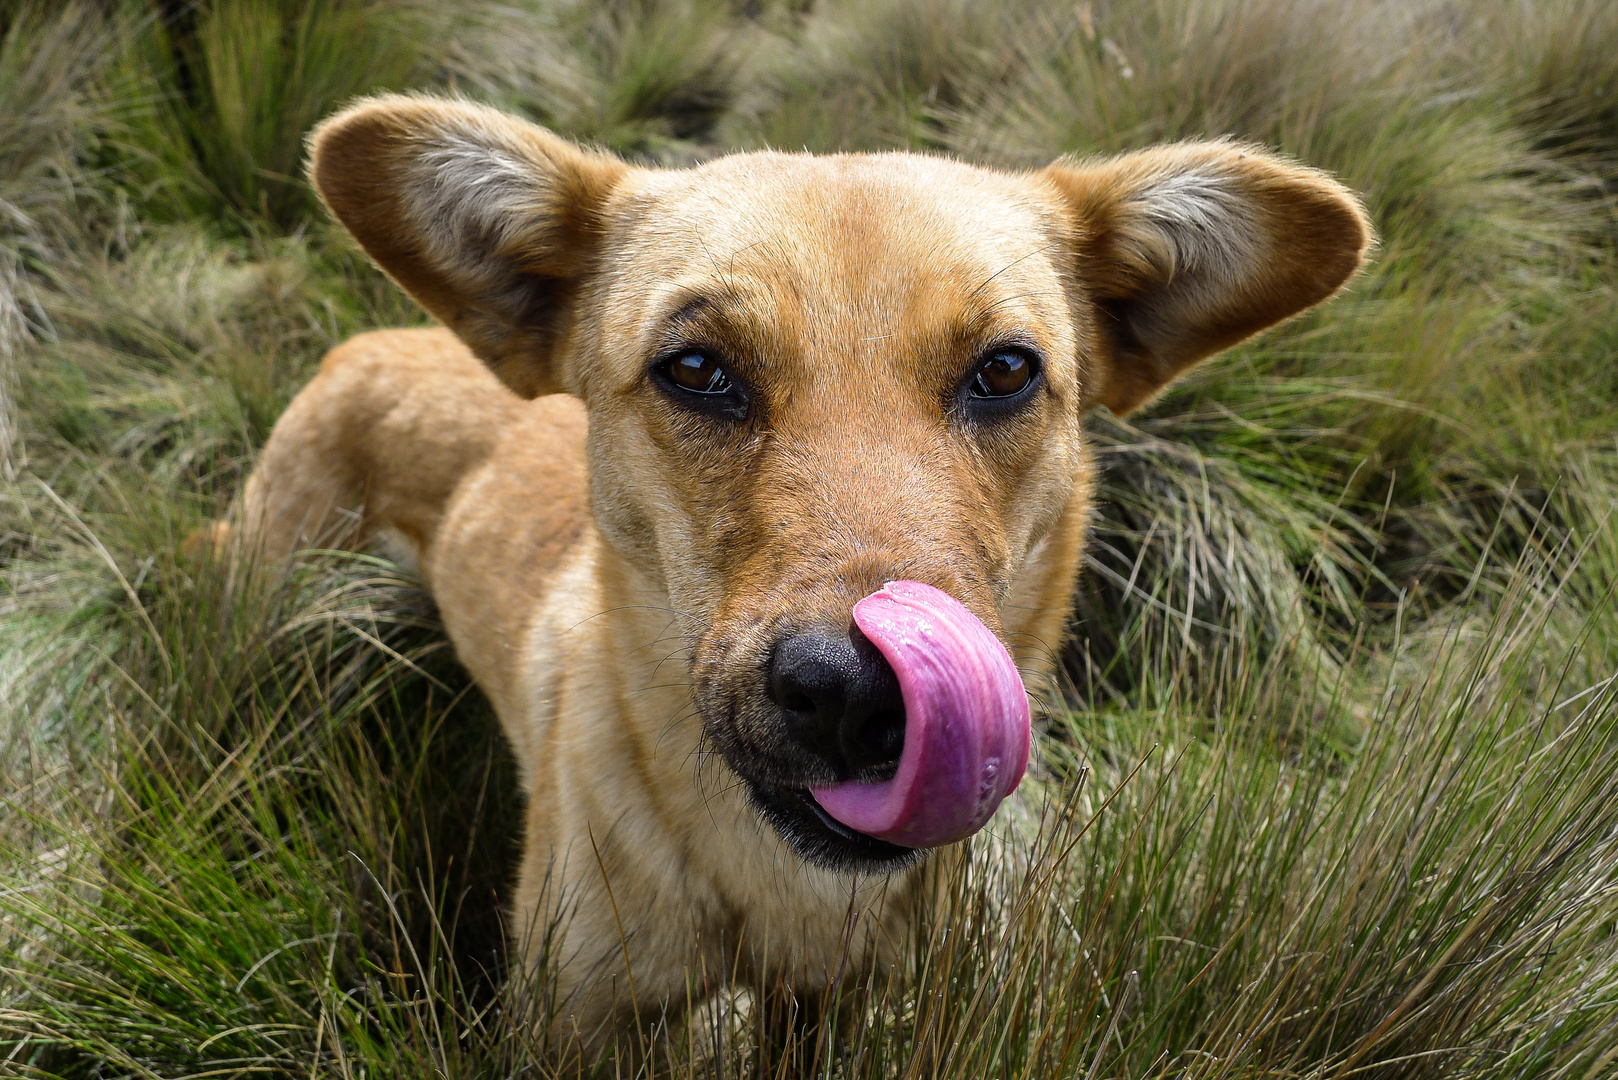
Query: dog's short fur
(618, 559)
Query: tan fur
(612, 568)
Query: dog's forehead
(864, 233)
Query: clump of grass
(176, 353)
(1563, 83)
(46, 119)
(334, 674)
(866, 76)
(225, 91)
(645, 78)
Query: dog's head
(808, 376)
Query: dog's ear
(491, 223)
(1185, 250)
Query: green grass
(1332, 763)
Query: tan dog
(681, 420)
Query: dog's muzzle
(919, 713)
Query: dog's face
(807, 376)
(868, 370)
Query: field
(1332, 763)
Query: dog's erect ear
(1185, 250)
(489, 222)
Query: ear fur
(489, 222)
(1186, 250)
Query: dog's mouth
(965, 741)
(820, 839)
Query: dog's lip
(836, 846)
(832, 824)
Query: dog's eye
(1004, 374)
(695, 380)
(697, 372)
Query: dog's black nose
(841, 701)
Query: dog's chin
(820, 839)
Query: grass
(1331, 771)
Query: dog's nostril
(874, 745)
(795, 701)
(840, 700)
(809, 677)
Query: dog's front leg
(606, 927)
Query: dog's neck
(626, 618)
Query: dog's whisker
(654, 669)
(699, 620)
(659, 686)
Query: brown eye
(698, 373)
(1005, 374)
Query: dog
(679, 424)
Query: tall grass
(1328, 790)
(225, 91)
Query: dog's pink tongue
(966, 722)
